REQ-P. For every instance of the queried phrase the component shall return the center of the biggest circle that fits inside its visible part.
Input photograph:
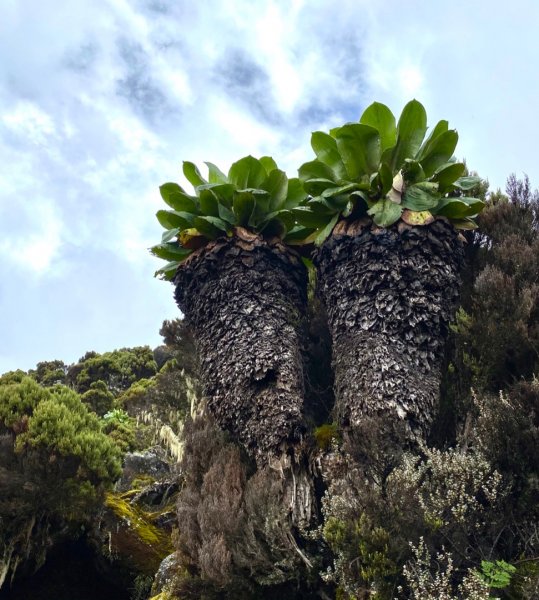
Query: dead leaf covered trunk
(246, 301)
(389, 294)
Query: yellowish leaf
(414, 217)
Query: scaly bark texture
(389, 294)
(245, 299)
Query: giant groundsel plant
(255, 195)
(387, 170)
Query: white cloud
(35, 247)
(31, 122)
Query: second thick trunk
(389, 295)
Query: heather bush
(497, 332)
(235, 539)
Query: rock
(151, 464)
(157, 494)
(165, 574)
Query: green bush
(62, 451)
(120, 428)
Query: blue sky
(100, 101)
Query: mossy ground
(138, 539)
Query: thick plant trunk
(389, 295)
(245, 299)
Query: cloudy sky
(101, 100)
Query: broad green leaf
(182, 202)
(325, 148)
(285, 216)
(211, 227)
(278, 223)
(277, 186)
(441, 127)
(387, 157)
(343, 189)
(192, 174)
(170, 234)
(262, 199)
(385, 212)
(467, 183)
(168, 188)
(306, 217)
(226, 214)
(440, 151)
(385, 177)
(315, 187)
(459, 208)
(417, 198)
(465, 224)
(337, 203)
(215, 175)
(224, 191)
(268, 163)
(248, 172)
(170, 251)
(411, 130)
(243, 206)
(299, 234)
(261, 209)
(476, 204)
(320, 206)
(316, 169)
(427, 186)
(209, 206)
(168, 271)
(447, 174)
(322, 236)
(381, 118)
(296, 194)
(171, 219)
(359, 146)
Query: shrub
(60, 444)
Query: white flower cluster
(431, 578)
(450, 486)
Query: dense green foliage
(386, 170)
(61, 449)
(255, 195)
(58, 444)
(376, 167)
(117, 369)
